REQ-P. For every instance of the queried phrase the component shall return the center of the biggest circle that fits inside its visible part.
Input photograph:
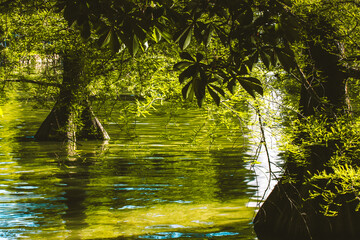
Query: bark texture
(72, 116)
(286, 213)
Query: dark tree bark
(286, 214)
(72, 116)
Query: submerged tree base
(286, 215)
(62, 125)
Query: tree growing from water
(307, 40)
(222, 42)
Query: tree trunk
(324, 91)
(286, 214)
(72, 116)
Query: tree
(222, 42)
(303, 37)
(45, 33)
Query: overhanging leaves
(187, 56)
(214, 95)
(188, 91)
(182, 64)
(188, 73)
(184, 37)
(286, 58)
(251, 85)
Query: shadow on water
(147, 188)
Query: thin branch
(33, 82)
(351, 72)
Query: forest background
(224, 53)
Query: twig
(33, 82)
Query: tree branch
(351, 72)
(33, 82)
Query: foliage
(337, 181)
(309, 47)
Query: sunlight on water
(150, 187)
(191, 218)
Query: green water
(154, 181)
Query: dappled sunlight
(187, 218)
(150, 188)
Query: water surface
(166, 179)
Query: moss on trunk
(72, 117)
(288, 212)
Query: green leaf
(156, 35)
(286, 58)
(180, 34)
(166, 35)
(185, 39)
(231, 84)
(199, 57)
(251, 85)
(106, 38)
(222, 36)
(188, 73)
(218, 77)
(252, 60)
(199, 89)
(187, 56)
(265, 58)
(208, 35)
(214, 96)
(244, 70)
(181, 65)
(114, 42)
(219, 90)
(85, 30)
(134, 46)
(188, 91)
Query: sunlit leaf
(185, 39)
(188, 91)
(231, 84)
(135, 45)
(156, 35)
(106, 38)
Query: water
(154, 182)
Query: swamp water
(155, 185)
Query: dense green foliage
(307, 51)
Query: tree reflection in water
(147, 188)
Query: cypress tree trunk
(71, 116)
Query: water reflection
(149, 188)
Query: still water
(156, 181)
